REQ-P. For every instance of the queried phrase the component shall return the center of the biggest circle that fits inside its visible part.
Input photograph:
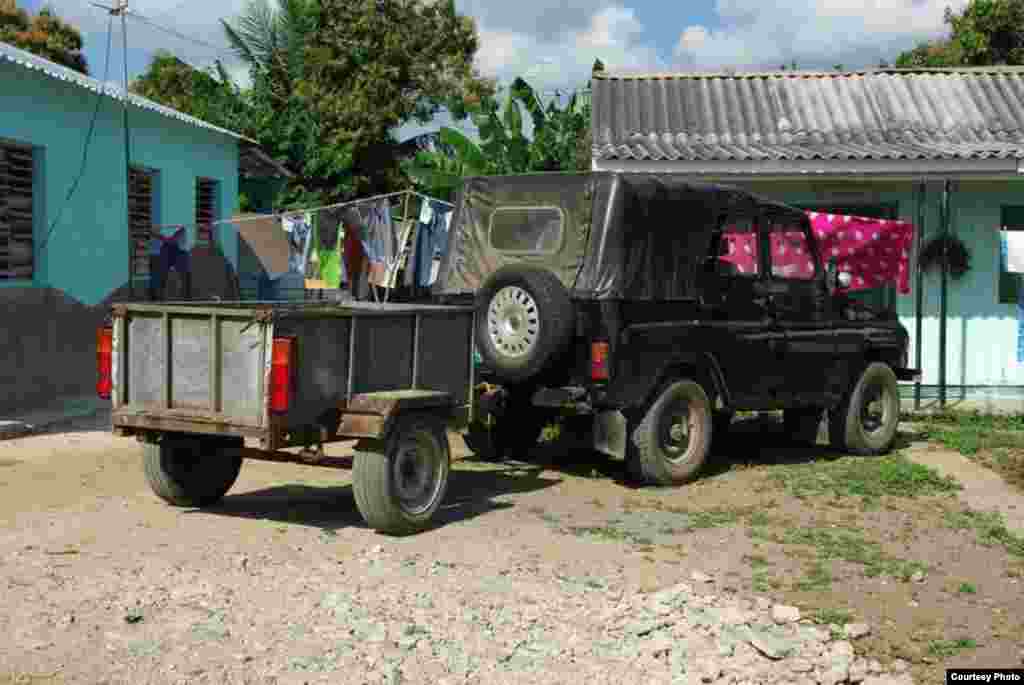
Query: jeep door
(742, 337)
(796, 293)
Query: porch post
(944, 294)
(922, 195)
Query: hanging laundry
(379, 242)
(874, 251)
(298, 228)
(1014, 242)
(1020, 325)
(329, 228)
(169, 250)
(431, 240)
(410, 258)
(354, 251)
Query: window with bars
(206, 210)
(17, 171)
(141, 211)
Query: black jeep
(606, 296)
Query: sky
(554, 44)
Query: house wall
(87, 255)
(981, 333)
(48, 335)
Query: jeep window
(737, 248)
(790, 253)
(526, 230)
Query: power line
(218, 49)
(100, 96)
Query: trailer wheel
(866, 421)
(524, 320)
(400, 483)
(192, 471)
(674, 438)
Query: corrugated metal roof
(891, 114)
(9, 53)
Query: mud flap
(610, 433)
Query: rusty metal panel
(147, 361)
(323, 363)
(242, 356)
(383, 353)
(445, 354)
(190, 363)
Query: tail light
(599, 361)
(104, 362)
(282, 354)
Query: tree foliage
(207, 95)
(985, 33)
(44, 34)
(559, 141)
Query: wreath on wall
(949, 249)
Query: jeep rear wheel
(672, 441)
(524, 319)
(867, 419)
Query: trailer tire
(524, 320)
(660, 459)
(192, 471)
(400, 483)
(854, 425)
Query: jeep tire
(865, 422)
(673, 440)
(524, 321)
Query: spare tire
(524, 320)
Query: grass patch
(817, 576)
(944, 649)
(967, 589)
(849, 545)
(989, 528)
(826, 617)
(892, 475)
(611, 534)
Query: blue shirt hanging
(431, 239)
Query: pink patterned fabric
(874, 251)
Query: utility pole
(120, 9)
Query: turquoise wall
(87, 255)
(981, 333)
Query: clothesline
(299, 212)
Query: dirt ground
(547, 570)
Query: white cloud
(693, 38)
(565, 60)
(815, 33)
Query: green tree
(985, 33)
(43, 34)
(332, 79)
(207, 95)
(555, 141)
(376, 64)
(439, 171)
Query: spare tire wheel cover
(513, 322)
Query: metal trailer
(201, 384)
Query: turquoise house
(70, 239)
(942, 149)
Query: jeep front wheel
(672, 441)
(524, 320)
(867, 419)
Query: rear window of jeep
(526, 230)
